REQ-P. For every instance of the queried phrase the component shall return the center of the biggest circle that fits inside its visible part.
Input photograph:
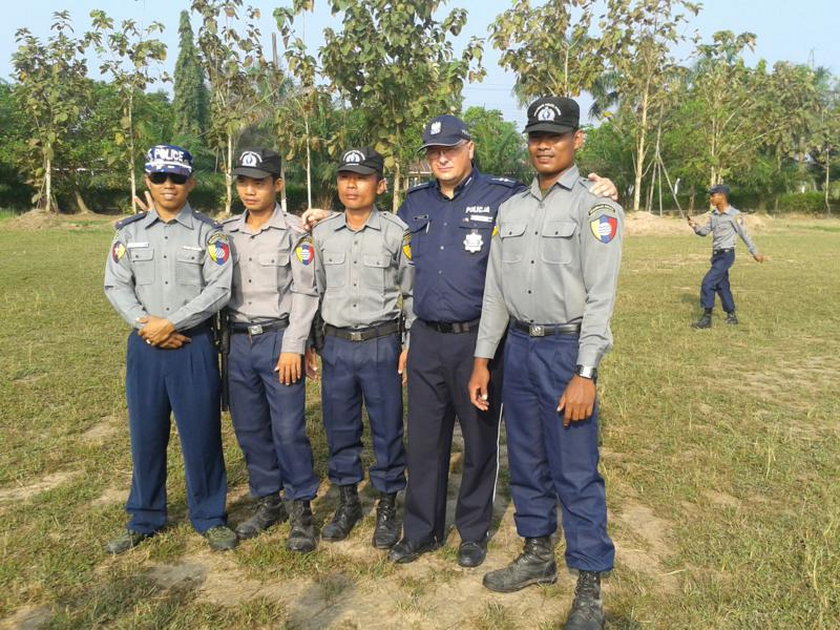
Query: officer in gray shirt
(364, 275)
(725, 224)
(270, 315)
(551, 279)
(168, 272)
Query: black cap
(258, 163)
(720, 188)
(364, 161)
(445, 131)
(553, 114)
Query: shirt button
(441, 246)
(445, 224)
(440, 272)
(166, 282)
(250, 259)
(529, 291)
(164, 256)
(532, 262)
(250, 280)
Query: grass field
(721, 451)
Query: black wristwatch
(586, 371)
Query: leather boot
(535, 565)
(731, 319)
(301, 528)
(704, 322)
(269, 511)
(587, 612)
(387, 530)
(346, 516)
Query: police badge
(473, 242)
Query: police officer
(168, 272)
(551, 281)
(270, 315)
(725, 224)
(365, 281)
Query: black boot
(346, 516)
(535, 565)
(731, 319)
(269, 511)
(301, 527)
(705, 321)
(587, 612)
(387, 530)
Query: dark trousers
(269, 419)
(184, 381)
(439, 368)
(549, 462)
(717, 281)
(357, 371)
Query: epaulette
(422, 186)
(232, 219)
(327, 221)
(204, 218)
(393, 218)
(507, 182)
(128, 220)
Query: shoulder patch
(118, 250)
(507, 182)
(601, 207)
(422, 186)
(406, 245)
(128, 220)
(218, 248)
(305, 252)
(604, 228)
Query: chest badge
(473, 242)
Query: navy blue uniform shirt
(450, 243)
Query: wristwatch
(586, 371)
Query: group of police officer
(480, 293)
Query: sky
(801, 32)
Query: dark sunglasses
(175, 178)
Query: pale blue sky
(800, 32)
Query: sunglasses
(175, 178)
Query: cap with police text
(719, 188)
(553, 114)
(258, 163)
(364, 161)
(168, 158)
(445, 131)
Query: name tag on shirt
(138, 244)
(193, 248)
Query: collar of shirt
(469, 179)
(184, 217)
(566, 180)
(728, 210)
(277, 220)
(374, 221)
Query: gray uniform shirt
(180, 270)
(274, 275)
(554, 259)
(725, 227)
(362, 275)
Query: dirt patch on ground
(27, 618)
(655, 534)
(21, 493)
(100, 432)
(646, 223)
(786, 381)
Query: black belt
(715, 252)
(240, 328)
(362, 334)
(542, 330)
(452, 327)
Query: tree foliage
(190, 96)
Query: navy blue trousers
(269, 419)
(184, 381)
(547, 461)
(717, 281)
(439, 369)
(357, 371)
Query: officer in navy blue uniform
(168, 272)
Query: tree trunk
(640, 146)
(284, 205)
(48, 206)
(80, 202)
(395, 205)
(228, 176)
(132, 175)
(827, 178)
(308, 163)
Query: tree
(128, 55)
(51, 88)
(190, 96)
(499, 147)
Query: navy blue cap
(720, 188)
(258, 163)
(168, 158)
(445, 131)
(364, 161)
(553, 114)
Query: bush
(805, 203)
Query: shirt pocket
(373, 270)
(419, 230)
(557, 245)
(513, 241)
(271, 268)
(334, 269)
(189, 264)
(474, 237)
(143, 264)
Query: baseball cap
(553, 114)
(168, 158)
(445, 131)
(364, 161)
(258, 163)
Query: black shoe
(269, 511)
(472, 553)
(703, 322)
(125, 541)
(301, 528)
(535, 565)
(587, 612)
(346, 516)
(221, 538)
(731, 319)
(407, 551)
(387, 530)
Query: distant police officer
(270, 315)
(168, 272)
(551, 278)
(365, 282)
(725, 224)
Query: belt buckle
(535, 330)
(255, 330)
(355, 335)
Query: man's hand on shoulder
(604, 187)
(313, 216)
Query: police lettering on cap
(258, 163)
(723, 189)
(553, 114)
(168, 158)
(364, 161)
(445, 131)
